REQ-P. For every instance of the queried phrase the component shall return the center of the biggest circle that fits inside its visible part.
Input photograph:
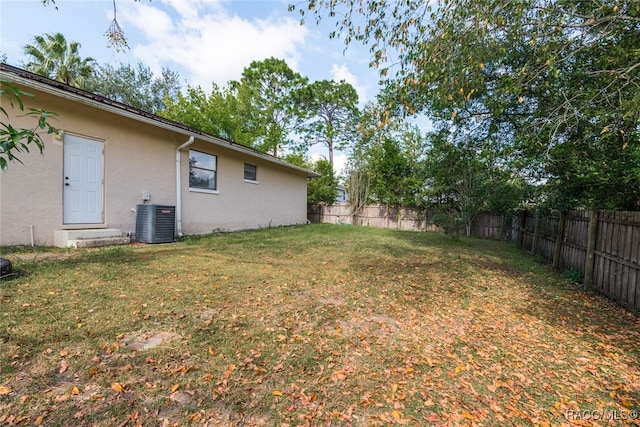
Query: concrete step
(94, 243)
(88, 238)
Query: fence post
(523, 219)
(387, 226)
(559, 239)
(536, 224)
(589, 263)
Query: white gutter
(179, 187)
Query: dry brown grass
(315, 325)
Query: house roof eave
(18, 76)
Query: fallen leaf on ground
(117, 387)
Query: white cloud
(342, 72)
(211, 44)
(157, 23)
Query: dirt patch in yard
(149, 340)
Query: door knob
(66, 184)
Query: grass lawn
(309, 325)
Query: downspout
(179, 187)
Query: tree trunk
(330, 146)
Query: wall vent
(155, 223)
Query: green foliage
(329, 113)
(387, 162)
(136, 86)
(595, 171)
(297, 159)
(574, 276)
(389, 170)
(265, 94)
(53, 57)
(465, 178)
(17, 140)
(325, 188)
(551, 79)
(397, 174)
(451, 224)
(215, 113)
(257, 111)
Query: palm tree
(52, 57)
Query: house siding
(139, 157)
(278, 199)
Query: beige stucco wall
(140, 157)
(279, 198)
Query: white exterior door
(82, 180)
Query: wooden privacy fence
(601, 246)
(487, 225)
(380, 216)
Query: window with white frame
(202, 170)
(250, 172)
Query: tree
(387, 161)
(329, 112)
(358, 176)
(451, 54)
(396, 175)
(218, 113)
(297, 158)
(536, 74)
(595, 170)
(265, 92)
(51, 56)
(325, 188)
(466, 177)
(357, 186)
(17, 140)
(136, 86)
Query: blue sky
(204, 40)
